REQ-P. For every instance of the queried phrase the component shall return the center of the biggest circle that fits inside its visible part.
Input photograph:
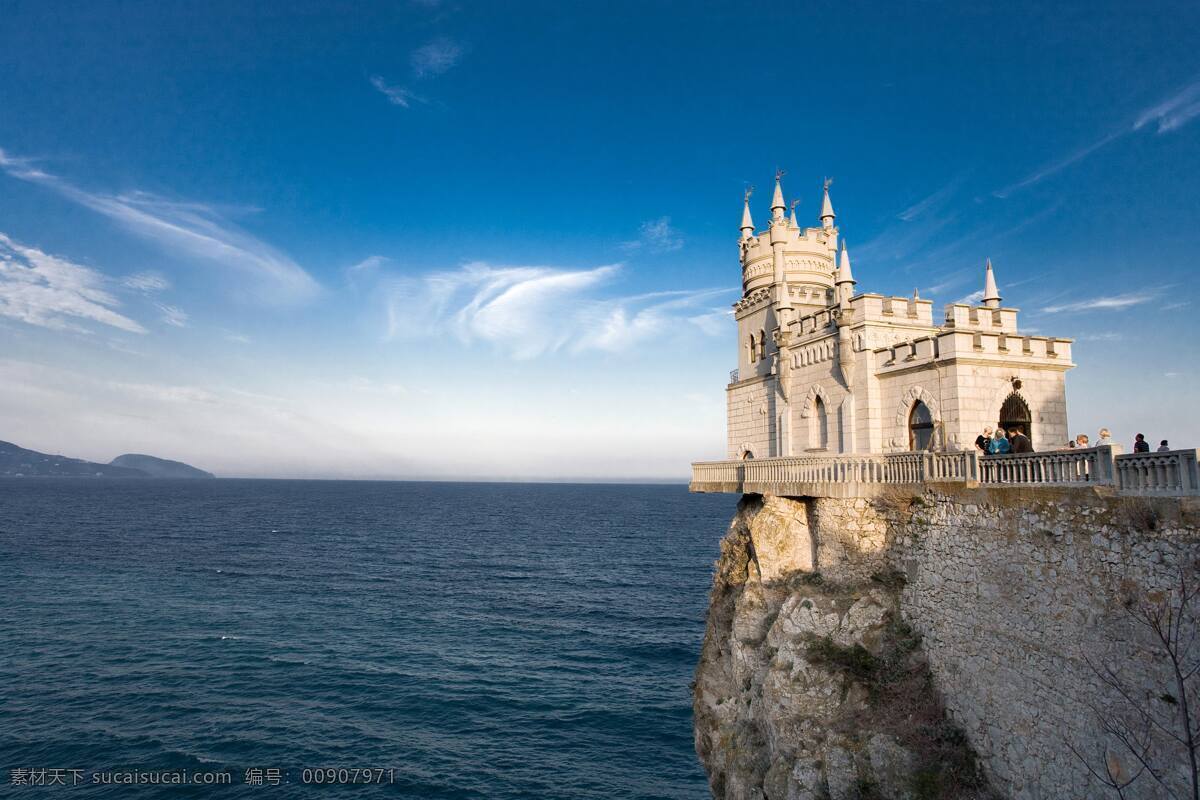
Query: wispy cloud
(431, 59)
(173, 315)
(527, 312)
(656, 236)
(1108, 336)
(435, 57)
(396, 95)
(1171, 113)
(933, 202)
(52, 292)
(1114, 302)
(146, 282)
(192, 229)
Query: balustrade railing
(1173, 473)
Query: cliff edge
(951, 642)
(812, 688)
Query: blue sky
(448, 239)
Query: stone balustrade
(1174, 473)
(1170, 473)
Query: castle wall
(974, 394)
(751, 413)
(1020, 597)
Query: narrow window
(920, 427)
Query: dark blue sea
(468, 640)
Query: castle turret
(793, 222)
(845, 279)
(991, 295)
(777, 204)
(747, 222)
(827, 215)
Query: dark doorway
(1015, 412)
(920, 427)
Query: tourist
(1140, 445)
(1082, 440)
(1020, 442)
(1163, 447)
(999, 445)
(1105, 438)
(981, 441)
(1071, 445)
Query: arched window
(750, 350)
(819, 433)
(762, 343)
(920, 427)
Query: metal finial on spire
(749, 191)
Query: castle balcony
(1171, 474)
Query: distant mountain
(158, 467)
(18, 462)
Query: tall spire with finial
(747, 222)
(794, 223)
(827, 215)
(777, 204)
(991, 295)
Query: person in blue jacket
(999, 444)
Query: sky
(494, 240)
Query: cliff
(19, 462)
(952, 644)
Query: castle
(824, 369)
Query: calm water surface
(482, 640)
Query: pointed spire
(843, 274)
(794, 223)
(747, 222)
(827, 215)
(991, 295)
(777, 204)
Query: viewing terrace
(1169, 474)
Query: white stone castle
(823, 369)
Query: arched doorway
(1014, 412)
(920, 427)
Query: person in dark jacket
(1020, 442)
(981, 441)
(1140, 445)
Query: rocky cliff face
(809, 687)
(952, 643)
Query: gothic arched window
(762, 343)
(920, 427)
(819, 434)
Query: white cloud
(972, 299)
(52, 292)
(396, 95)
(1115, 302)
(146, 282)
(530, 311)
(933, 202)
(656, 236)
(193, 229)
(435, 57)
(1174, 112)
(173, 315)
(1108, 336)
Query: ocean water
(469, 640)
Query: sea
(297, 639)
